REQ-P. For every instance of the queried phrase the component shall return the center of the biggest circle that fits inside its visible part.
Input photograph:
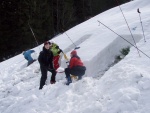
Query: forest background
(47, 18)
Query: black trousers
(44, 76)
(77, 71)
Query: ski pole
(141, 24)
(124, 39)
(71, 40)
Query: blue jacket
(27, 55)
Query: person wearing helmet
(76, 67)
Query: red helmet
(74, 52)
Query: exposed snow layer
(123, 88)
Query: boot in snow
(68, 80)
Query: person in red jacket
(76, 67)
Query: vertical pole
(141, 24)
(128, 28)
(33, 35)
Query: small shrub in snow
(123, 52)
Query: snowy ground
(123, 88)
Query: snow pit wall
(101, 62)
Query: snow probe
(124, 39)
(34, 35)
(71, 41)
(141, 24)
(128, 27)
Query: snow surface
(122, 88)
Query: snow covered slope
(124, 88)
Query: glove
(57, 47)
(50, 69)
(60, 51)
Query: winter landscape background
(106, 87)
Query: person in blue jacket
(27, 56)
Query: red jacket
(75, 62)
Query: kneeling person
(76, 67)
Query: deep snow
(123, 88)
